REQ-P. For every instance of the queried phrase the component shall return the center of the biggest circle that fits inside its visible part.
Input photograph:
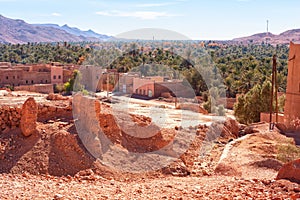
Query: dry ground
(55, 165)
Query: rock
(29, 117)
(6, 130)
(290, 171)
(177, 168)
(227, 170)
(233, 126)
(58, 196)
(226, 130)
(53, 96)
(249, 130)
(52, 109)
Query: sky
(196, 19)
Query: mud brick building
(292, 103)
(22, 75)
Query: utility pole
(107, 81)
(267, 37)
(274, 87)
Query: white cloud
(55, 14)
(146, 5)
(144, 15)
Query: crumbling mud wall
(98, 126)
(29, 117)
(10, 115)
(46, 111)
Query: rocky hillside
(77, 31)
(282, 38)
(18, 31)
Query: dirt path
(253, 156)
(215, 187)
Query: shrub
(249, 106)
(287, 152)
(221, 110)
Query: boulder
(249, 130)
(29, 117)
(53, 97)
(233, 126)
(227, 170)
(177, 168)
(290, 171)
(229, 129)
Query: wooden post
(271, 103)
(107, 80)
(274, 86)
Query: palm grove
(244, 70)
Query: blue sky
(197, 19)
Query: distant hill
(18, 31)
(282, 38)
(77, 31)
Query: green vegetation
(250, 105)
(287, 152)
(43, 53)
(219, 70)
(243, 67)
(74, 83)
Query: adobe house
(125, 83)
(156, 86)
(92, 77)
(144, 87)
(56, 75)
(292, 103)
(25, 75)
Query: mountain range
(282, 38)
(76, 31)
(18, 31)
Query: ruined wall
(292, 103)
(10, 116)
(98, 128)
(46, 111)
(40, 88)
